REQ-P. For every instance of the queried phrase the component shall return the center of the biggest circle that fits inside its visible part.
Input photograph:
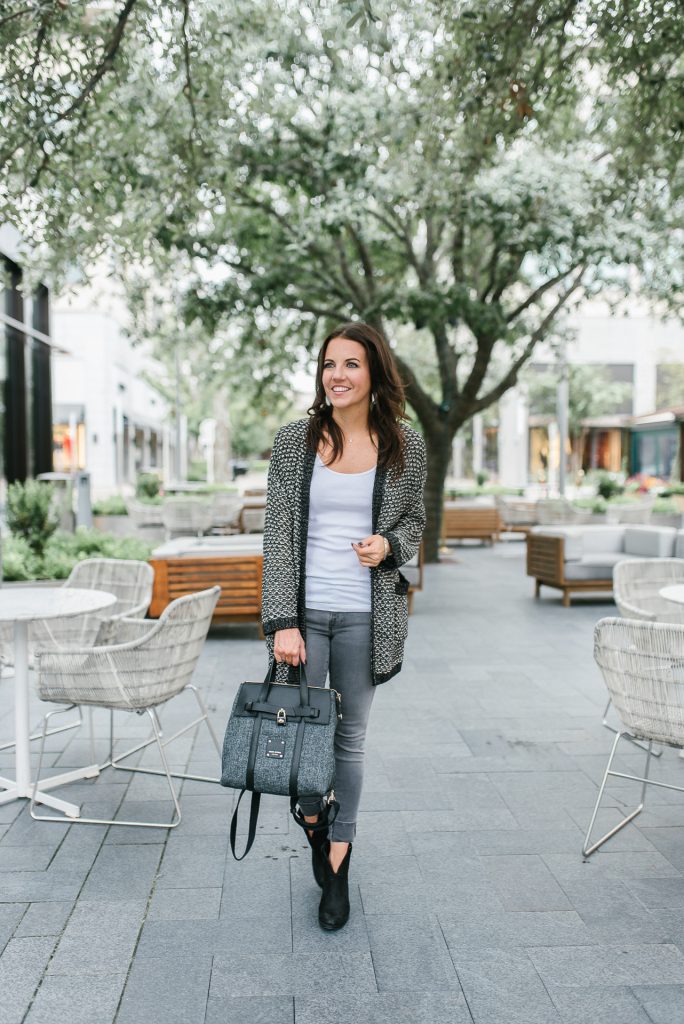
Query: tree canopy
(466, 170)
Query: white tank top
(340, 511)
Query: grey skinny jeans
(339, 643)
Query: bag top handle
(270, 678)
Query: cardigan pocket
(402, 584)
(400, 616)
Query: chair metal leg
(51, 732)
(204, 717)
(587, 850)
(175, 819)
(611, 728)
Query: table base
(13, 791)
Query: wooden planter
(238, 576)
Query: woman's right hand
(288, 646)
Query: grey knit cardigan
(398, 513)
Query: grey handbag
(279, 739)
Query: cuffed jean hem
(339, 831)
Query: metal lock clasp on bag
(281, 717)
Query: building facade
(108, 418)
(641, 361)
(25, 369)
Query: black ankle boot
(319, 853)
(333, 911)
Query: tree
(465, 170)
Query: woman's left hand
(371, 550)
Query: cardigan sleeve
(279, 586)
(405, 536)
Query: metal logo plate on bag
(275, 748)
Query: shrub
(19, 560)
(30, 513)
(672, 489)
(608, 487)
(64, 550)
(112, 506)
(147, 485)
(665, 506)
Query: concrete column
(478, 442)
(457, 457)
(644, 387)
(513, 439)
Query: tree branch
(364, 256)
(105, 65)
(538, 292)
(15, 14)
(189, 89)
(425, 407)
(511, 376)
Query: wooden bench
(236, 568)
(470, 522)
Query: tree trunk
(438, 442)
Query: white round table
(20, 606)
(675, 592)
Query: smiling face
(346, 373)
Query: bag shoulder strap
(253, 818)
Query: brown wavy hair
(385, 413)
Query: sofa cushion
(597, 540)
(580, 540)
(679, 544)
(595, 567)
(650, 541)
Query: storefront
(656, 444)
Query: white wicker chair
(129, 580)
(252, 520)
(226, 509)
(153, 663)
(143, 513)
(637, 583)
(516, 514)
(636, 588)
(186, 515)
(636, 512)
(554, 511)
(643, 667)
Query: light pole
(177, 460)
(562, 401)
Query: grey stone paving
(470, 898)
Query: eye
(353, 365)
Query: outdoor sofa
(580, 559)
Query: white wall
(96, 366)
(637, 338)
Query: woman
(344, 511)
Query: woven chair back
(140, 675)
(636, 588)
(643, 667)
(129, 580)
